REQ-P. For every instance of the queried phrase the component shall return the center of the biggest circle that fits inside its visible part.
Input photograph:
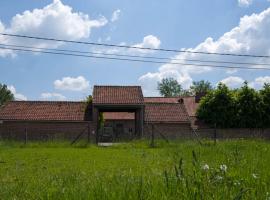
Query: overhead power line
(133, 60)
(136, 56)
(133, 47)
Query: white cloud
(233, 81)
(53, 96)
(231, 71)
(244, 3)
(72, 83)
(259, 82)
(149, 41)
(115, 15)
(54, 20)
(17, 96)
(251, 36)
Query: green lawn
(238, 169)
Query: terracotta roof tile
(189, 102)
(162, 99)
(119, 115)
(165, 112)
(117, 95)
(44, 110)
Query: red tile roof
(162, 99)
(165, 112)
(131, 95)
(44, 110)
(189, 102)
(119, 116)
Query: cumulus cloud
(149, 41)
(233, 81)
(251, 36)
(259, 82)
(52, 96)
(54, 20)
(17, 96)
(72, 83)
(115, 15)
(244, 3)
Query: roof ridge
(40, 101)
(171, 97)
(163, 103)
(117, 86)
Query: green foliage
(101, 120)
(242, 108)
(249, 107)
(202, 87)
(217, 108)
(169, 87)
(89, 99)
(237, 169)
(5, 94)
(265, 95)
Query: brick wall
(46, 130)
(169, 130)
(234, 133)
(183, 131)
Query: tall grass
(237, 169)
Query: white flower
(219, 177)
(255, 176)
(205, 167)
(236, 183)
(223, 168)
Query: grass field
(238, 169)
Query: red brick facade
(33, 130)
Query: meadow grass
(236, 169)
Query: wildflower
(205, 167)
(223, 168)
(236, 183)
(219, 177)
(255, 176)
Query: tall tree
(5, 94)
(200, 87)
(249, 106)
(169, 87)
(217, 108)
(265, 95)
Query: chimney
(181, 100)
(198, 96)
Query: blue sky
(210, 25)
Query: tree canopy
(249, 107)
(169, 87)
(202, 87)
(243, 108)
(5, 94)
(217, 108)
(265, 95)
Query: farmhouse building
(125, 111)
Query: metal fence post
(25, 135)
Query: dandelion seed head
(223, 168)
(205, 167)
(255, 176)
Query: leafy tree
(200, 87)
(169, 87)
(5, 94)
(265, 95)
(218, 107)
(249, 107)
